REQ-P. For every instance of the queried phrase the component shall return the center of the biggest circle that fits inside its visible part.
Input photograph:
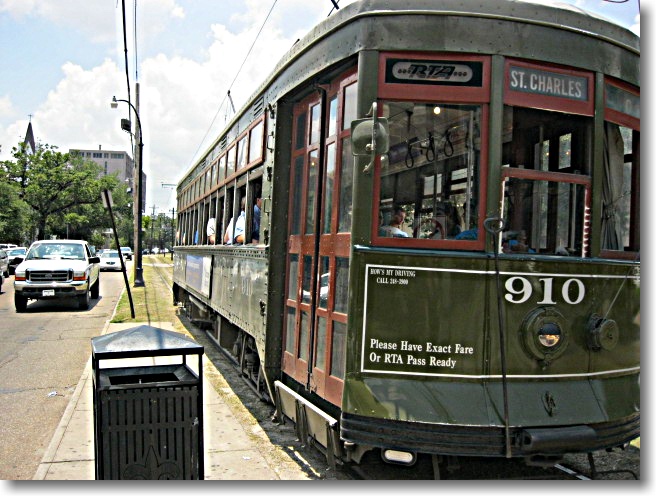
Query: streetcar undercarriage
(234, 342)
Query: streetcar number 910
(519, 290)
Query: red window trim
(537, 175)
(616, 116)
(443, 244)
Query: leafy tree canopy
(60, 190)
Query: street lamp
(138, 269)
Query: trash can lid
(143, 341)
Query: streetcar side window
(222, 168)
(620, 192)
(202, 234)
(256, 141)
(254, 211)
(241, 153)
(220, 214)
(228, 212)
(346, 188)
(231, 161)
(620, 223)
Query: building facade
(115, 161)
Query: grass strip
(153, 302)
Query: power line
(136, 62)
(125, 51)
(125, 48)
(335, 6)
(234, 79)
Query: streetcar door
(319, 238)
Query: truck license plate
(48, 292)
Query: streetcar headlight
(544, 334)
(549, 334)
(401, 457)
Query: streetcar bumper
(465, 440)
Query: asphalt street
(43, 353)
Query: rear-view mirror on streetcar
(362, 131)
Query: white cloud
(7, 109)
(153, 17)
(179, 96)
(90, 17)
(9, 136)
(81, 15)
(636, 27)
(77, 113)
(17, 8)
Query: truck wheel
(20, 302)
(95, 289)
(84, 300)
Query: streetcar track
(571, 472)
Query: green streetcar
(440, 248)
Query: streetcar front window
(544, 217)
(429, 180)
(546, 198)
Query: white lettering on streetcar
(519, 290)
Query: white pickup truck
(60, 268)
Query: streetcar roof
(556, 15)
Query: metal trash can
(148, 419)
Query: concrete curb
(55, 442)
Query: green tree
(14, 215)
(60, 187)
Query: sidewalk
(233, 451)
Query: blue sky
(63, 60)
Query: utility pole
(152, 225)
(171, 186)
(172, 231)
(138, 205)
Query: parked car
(4, 246)
(127, 252)
(109, 260)
(16, 256)
(4, 263)
(61, 268)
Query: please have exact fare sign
(407, 329)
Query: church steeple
(29, 137)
